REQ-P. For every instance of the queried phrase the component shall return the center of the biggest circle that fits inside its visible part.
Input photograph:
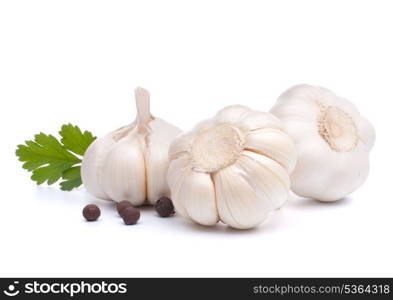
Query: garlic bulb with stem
(234, 168)
(131, 162)
(332, 138)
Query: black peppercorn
(164, 207)
(121, 205)
(130, 215)
(91, 212)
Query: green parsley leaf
(50, 160)
(72, 178)
(74, 140)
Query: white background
(79, 61)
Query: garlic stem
(142, 99)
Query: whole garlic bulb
(234, 168)
(332, 138)
(131, 162)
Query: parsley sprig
(50, 159)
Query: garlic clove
(254, 120)
(366, 133)
(335, 182)
(176, 169)
(192, 193)
(91, 168)
(196, 193)
(175, 177)
(93, 158)
(325, 97)
(123, 171)
(161, 134)
(275, 144)
(203, 125)
(297, 103)
(238, 204)
(180, 145)
(231, 114)
(267, 177)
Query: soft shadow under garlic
(270, 225)
(302, 203)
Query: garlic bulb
(333, 142)
(233, 167)
(131, 162)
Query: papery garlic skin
(332, 138)
(131, 162)
(234, 168)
